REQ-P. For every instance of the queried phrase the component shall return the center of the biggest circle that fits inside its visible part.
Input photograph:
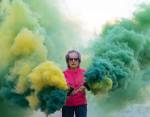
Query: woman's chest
(75, 80)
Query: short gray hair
(72, 51)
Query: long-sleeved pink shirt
(75, 79)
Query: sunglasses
(75, 59)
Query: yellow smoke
(22, 73)
(102, 86)
(17, 20)
(47, 74)
(18, 17)
(26, 43)
(33, 100)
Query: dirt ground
(41, 114)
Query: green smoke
(60, 33)
(122, 52)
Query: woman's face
(73, 60)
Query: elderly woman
(76, 100)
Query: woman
(76, 100)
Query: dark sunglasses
(75, 59)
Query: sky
(93, 14)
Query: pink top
(75, 79)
